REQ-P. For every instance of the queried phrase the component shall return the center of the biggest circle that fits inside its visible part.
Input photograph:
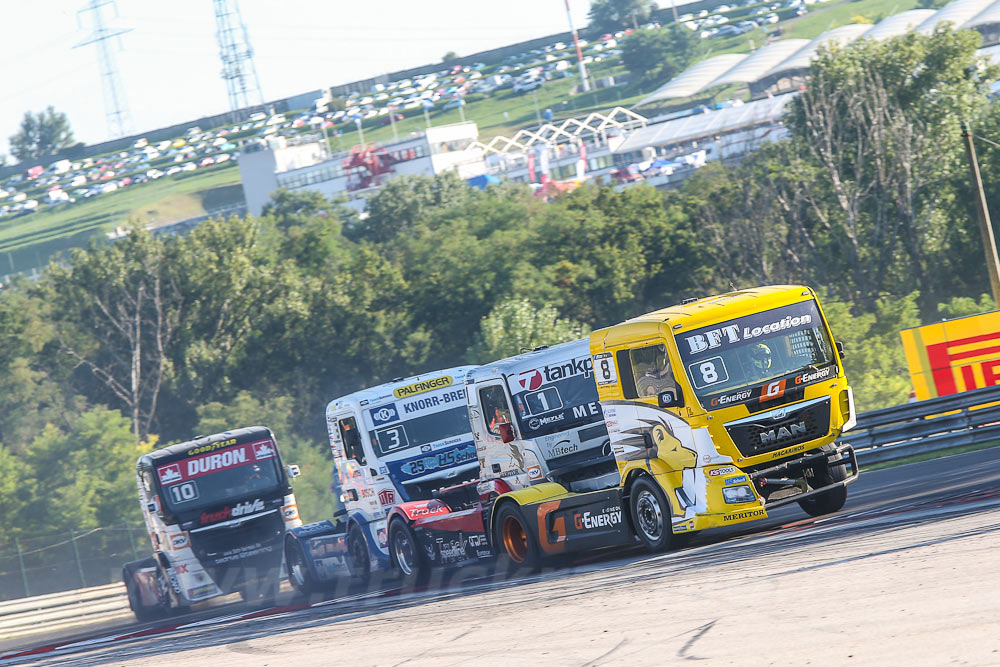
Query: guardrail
(58, 611)
(926, 426)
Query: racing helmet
(760, 357)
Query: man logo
(384, 415)
(530, 380)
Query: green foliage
(960, 306)
(613, 15)
(41, 134)
(449, 56)
(659, 54)
(874, 360)
(515, 326)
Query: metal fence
(78, 559)
(927, 426)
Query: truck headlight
(738, 494)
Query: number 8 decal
(708, 372)
(604, 369)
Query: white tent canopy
(695, 78)
(759, 62)
(804, 56)
(899, 24)
(958, 12)
(759, 112)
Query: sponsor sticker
(421, 387)
(201, 591)
(290, 512)
(736, 480)
(604, 368)
(530, 380)
(728, 470)
(179, 541)
(384, 414)
(263, 450)
(745, 514)
(387, 497)
(205, 464)
(610, 516)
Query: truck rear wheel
(650, 514)
(299, 573)
(407, 556)
(358, 558)
(832, 500)
(516, 546)
(142, 612)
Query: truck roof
(385, 391)
(183, 449)
(529, 360)
(696, 313)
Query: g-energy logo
(733, 333)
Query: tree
(41, 134)
(613, 15)
(658, 54)
(449, 56)
(119, 310)
(515, 325)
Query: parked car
(527, 85)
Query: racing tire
(408, 558)
(515, 544)
(142, 613)
(650, 512)
(300, 574)
(832, 500)
(358, 557)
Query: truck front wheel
(142, 612)
(516, 546)
(406, 553)
(299, 573)
(650, 514)
(829, 501)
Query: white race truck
(395, 443)
(217, 509)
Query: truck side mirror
(670, 398)
(840, 348)
(293, 471)
(506, 432)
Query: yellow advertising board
(954, 356)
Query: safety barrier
(59, 611)
(926, 426)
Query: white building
(360, 173)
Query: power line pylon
(236, 54)
(115, 103)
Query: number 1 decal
(604, 369)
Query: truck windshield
(423, 430)
(212, 479)
(565, 403)
(757, 357)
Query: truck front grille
(781, 427)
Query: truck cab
(217, 509)
(394, 443)
(717, 410)
(535, 418)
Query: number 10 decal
(708, 372)
(181, 493)
(604, 369)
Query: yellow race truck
(718, 410)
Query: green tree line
(263, 320)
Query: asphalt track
(905, 528)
